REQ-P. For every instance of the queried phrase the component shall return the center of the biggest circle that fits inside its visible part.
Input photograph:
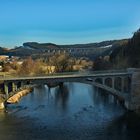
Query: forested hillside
(128, 54)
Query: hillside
(30, 48)
(128, 54)
(42, 46)
(35, 45)
(3, 51)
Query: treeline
(128, 54)
(60, 62)
(125, 55)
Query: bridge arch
(99, 80)
(108, 82)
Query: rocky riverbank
(2, 101)
(15, 98)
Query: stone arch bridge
(125, 84)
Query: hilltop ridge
(29, 48)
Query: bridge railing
(108, 71)
(6, 76)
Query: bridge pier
(14, 86)
(113, 82)
(6, 89)
(133, 101)
(2, 99)
(103, 81)
(122, 85)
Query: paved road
(76, 75)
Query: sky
(67, 21)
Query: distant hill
(35, 45)
(3, 51)
(30, 48)
(123, 53)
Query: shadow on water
(62, 96)
(125, 127)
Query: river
(74, 112)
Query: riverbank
(15, 98)
(2, 101)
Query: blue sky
(67, 21)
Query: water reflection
(100, 97)
(126, 126)
(62, 96)
(70, 112)
(104, 98)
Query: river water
(74, 112)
